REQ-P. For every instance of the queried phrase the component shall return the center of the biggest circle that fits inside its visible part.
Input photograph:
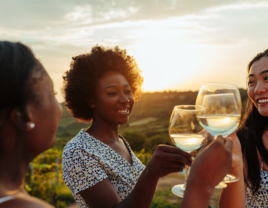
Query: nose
(260, 88)
(123, 98)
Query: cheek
(251, 94)
(131, 102)
(59, 112)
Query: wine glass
(186, 133)
(222, 114)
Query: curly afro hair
(80, 80)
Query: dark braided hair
(17, 65)
(250, 132)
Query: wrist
(237, 168)
(200, 186)
(197, 193)
(149, 175)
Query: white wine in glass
(222, 103)
(186, 133)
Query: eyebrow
(116, 86)
(263, 72)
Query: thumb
(229, 138)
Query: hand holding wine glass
(208, 169)
(167, 159)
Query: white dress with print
(87, 161)
(259, 199)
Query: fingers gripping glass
(186, 133)
(222, 114)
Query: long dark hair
(17, 64)
(250, 133)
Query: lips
(263, 100)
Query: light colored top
(87, 161)
(260, 198)
(6, 198)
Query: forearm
(197, 195)
(142, 194)
(234, 194)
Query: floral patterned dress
(259, 199)
(87, 161)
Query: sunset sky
(178, 44)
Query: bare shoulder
(26, 202)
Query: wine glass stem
(187, 170)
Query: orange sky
(177, 44)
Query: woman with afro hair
(99, 166)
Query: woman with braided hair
(29, 118)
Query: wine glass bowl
(186, 133)
(222, 104)
(184, 128)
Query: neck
(12, 175)
(104, 132)
(13, 163)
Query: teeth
(123, 111)
(262, 101)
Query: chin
(123, 122)
(263, 112)
(53, 142)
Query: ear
(91, 103)
(23, 121)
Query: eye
(266, 78)
(250, 82)
(111, 93)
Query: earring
(32, 125)
(92, 106)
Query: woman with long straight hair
(252, 164)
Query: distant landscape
(148, 123)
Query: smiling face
(258, 85)
(114, 99)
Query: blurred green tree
(135, 139)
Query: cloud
(80, 22)
(242, 6)
(51, 14)
(220, 42)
